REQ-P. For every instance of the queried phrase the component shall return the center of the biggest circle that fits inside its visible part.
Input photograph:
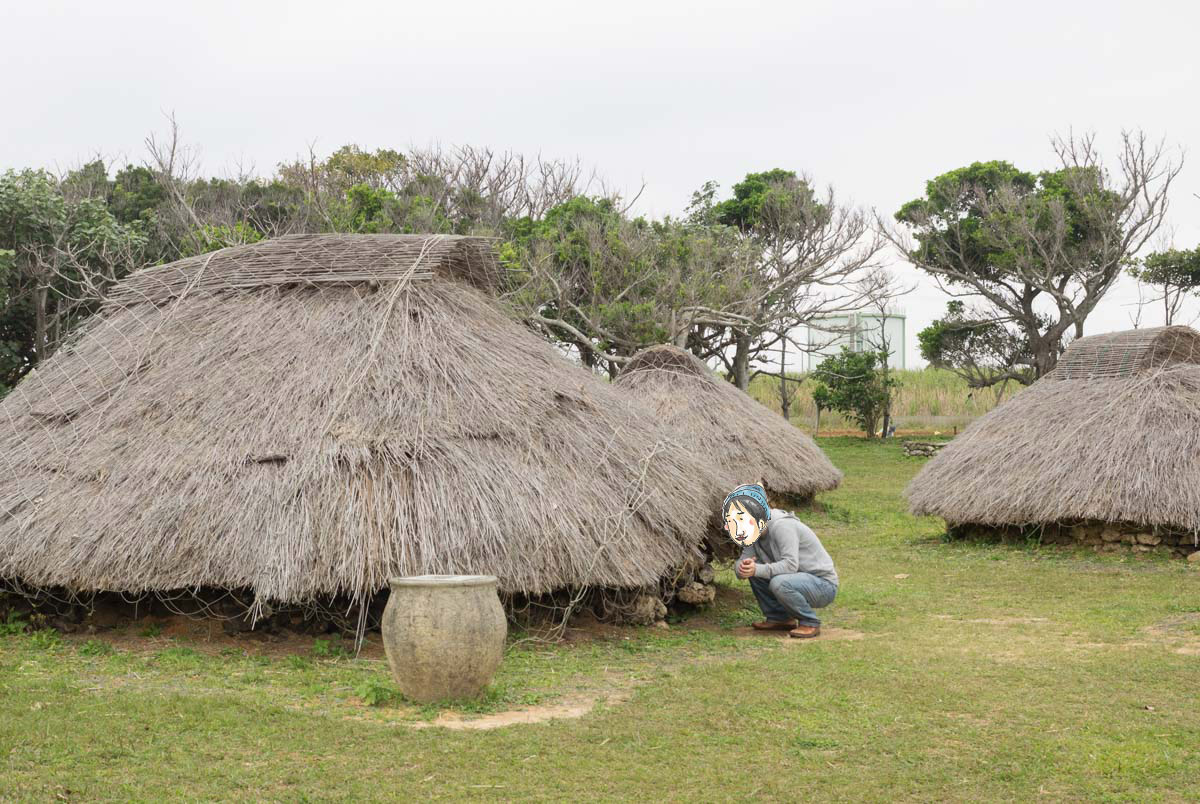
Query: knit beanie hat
(754, 492)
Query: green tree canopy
(62, 251)
(979, 349)
(755, 196)
(1176, 272)
(610, 285)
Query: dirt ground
(151, 634)
(206, 635)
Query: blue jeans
(795, 595)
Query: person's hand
(745, 568)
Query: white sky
(873, 97)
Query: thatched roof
(315, 260)
(304, 438)
(1112, 434)
(742, 440)
(1125, 354)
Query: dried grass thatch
(315, 260)
(1111, 435)
(740, 438)
(301, 439)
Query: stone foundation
(922, 449)
(693, 585)
(1103, 537)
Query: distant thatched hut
(1104, 449)
(742, 440)
(311, 415)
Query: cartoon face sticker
(746, 513)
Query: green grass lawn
(962, 672)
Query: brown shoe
(773, 625)
(805, 631)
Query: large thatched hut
(1104, 449)
(311, 415)
(741, 439)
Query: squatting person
(786, 564)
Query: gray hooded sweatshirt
(789, 546)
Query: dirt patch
(1099, 646)
(206, 636)
(1182, 625)
(586, 628)
(730, 596)
(151, 633)
(969, 719)
(567, 709)
(1181, 632)
(828, 634)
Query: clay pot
(444, 635)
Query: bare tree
(1139, 306)
(880, 307)
(817, 256)
(481, 187)
(175, 167)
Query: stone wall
(922, 449)
(1104, 537)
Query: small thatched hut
(742, 440)
(311, 415)
(1104, 449)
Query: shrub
(376, 692)
(855, 384)
(330, 649)
(45, 639)
(299, 662)
(12, 624)
(94, 647)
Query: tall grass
(927, 399)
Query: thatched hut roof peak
(315, 260)
(1115, 355)
(666, 357)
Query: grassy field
(927, 400)
(948, 672)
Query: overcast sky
(872, 97)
